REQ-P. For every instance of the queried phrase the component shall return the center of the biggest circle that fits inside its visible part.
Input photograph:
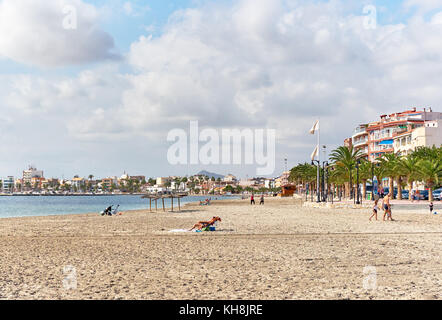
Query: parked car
(437, 194)
(423, 194)
(405, 193)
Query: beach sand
(277, 251)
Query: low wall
(337, 205)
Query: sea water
(26, 206)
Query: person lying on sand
(203, 224)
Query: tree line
(422, 165)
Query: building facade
(31, 173)
(8, 184)
(426, 136)
(398, 132)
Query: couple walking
(386, 206)
(252, 199)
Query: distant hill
(210, 174)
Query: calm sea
(25, 206)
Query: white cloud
(34, 33)
(275, 65)
(135, 9)
(423, 5)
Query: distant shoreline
(103, 194)
(71, 195)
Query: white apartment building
(8, 184)
(161, 181)
(31, 173)
(430, 134)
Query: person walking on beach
(252, 199)
(381, 192)
(261, 201)
(375, 210)
(387, 207)
(431, 207)
(413, 194)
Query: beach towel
(182, 230)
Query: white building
(161, 181)
(426, 136)
(8, 184)
(31, 173)
(230, 178)
(155, 189)
(269, 183)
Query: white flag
(315, 127)
(315, 153)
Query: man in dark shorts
(252, 199)
(387, 207)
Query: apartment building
(106, 183)
(426, 136)
(359, 139)
(31, 173)
(161, 181)
(396, 133)
(7, 184)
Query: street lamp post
(372, 181)
(324, 180)
(317, 179)
(357, 181)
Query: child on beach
(252, 199)
(375, 210)
(262, 200)
(431, 207)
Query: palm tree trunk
(399, 189)
(391, 187)
(364, 189)
(350, 185)
(410, 188)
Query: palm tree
(345, 158)
(390, 162)
(428, 152)
(431, 172)
(408, 166)
(364, 175)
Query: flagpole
(319, 161)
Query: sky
(99, 96)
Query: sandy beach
(277, 251)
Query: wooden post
(164, 209)
(179, 208)
(172, 203)
(156, 204)
(150, 204)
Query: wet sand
(277, 251)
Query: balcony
(359, 131)
(360, 142)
